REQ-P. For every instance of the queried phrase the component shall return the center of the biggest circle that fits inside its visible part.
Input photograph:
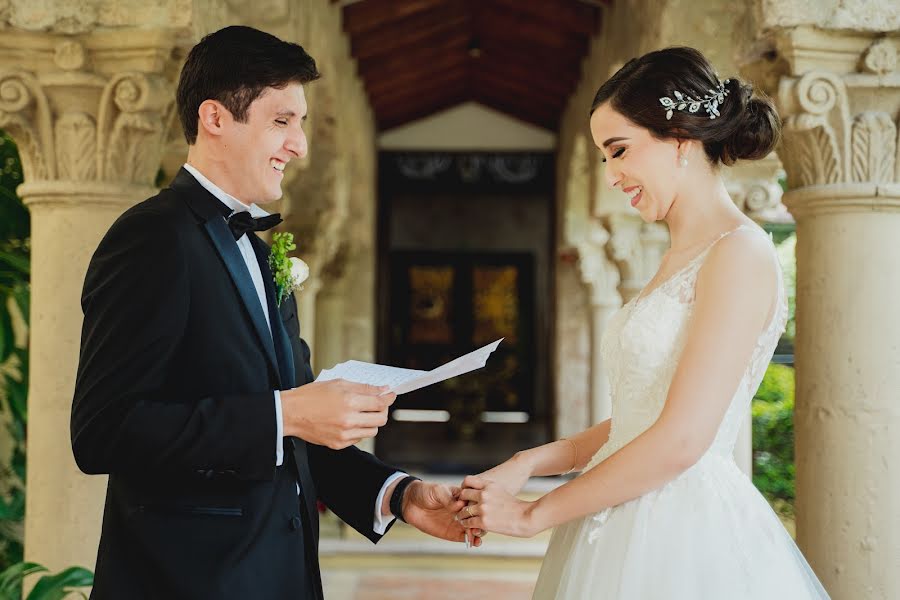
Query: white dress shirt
(381, 522)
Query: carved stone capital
(637, 249)
(839, 106)
(754, 186)
(89, 108)
(598, 272)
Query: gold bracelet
(575, 450)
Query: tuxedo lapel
(237, 268)
(210, 214)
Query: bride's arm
(733, 301)
(554, 458)
(565, 455)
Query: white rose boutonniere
(289, 273)
(299, 273)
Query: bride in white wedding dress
(661, 510)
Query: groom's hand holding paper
(337, 413)
(400, 381)
(396, 381)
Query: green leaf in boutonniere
(289, 272)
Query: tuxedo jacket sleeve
(133, 408)
(347, 481)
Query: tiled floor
(413, 585)
(409, 566)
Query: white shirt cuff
(279, 431)
(383, 521)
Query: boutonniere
(289, 272)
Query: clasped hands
(338, 414)
(485, 502)
(491, 503)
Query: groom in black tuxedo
(194, 390)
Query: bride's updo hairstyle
(675, 93)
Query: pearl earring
(682, 161)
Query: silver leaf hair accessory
(683, 102)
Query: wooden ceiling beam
(575, 17)
(418, 31)
(522, 29)
(398, 62)
(457, 76)
(562, 64)
(518, 89)
(371, 14)
(544, 78)
(449, 65)
(427, 87)
(536, 64)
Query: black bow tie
(241, 222)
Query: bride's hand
(492, 508)
(511, 475)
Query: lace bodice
(641, 348)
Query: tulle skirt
(707, 535)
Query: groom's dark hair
(234, 66)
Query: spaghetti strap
(698, 258)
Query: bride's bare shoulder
(742, 264)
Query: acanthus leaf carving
(25, 115)
(874, 147)
(897, 154)
(810, 152)
(133, 119)
(815, 148)
(134, 148)
(76, 147)
(823, 144)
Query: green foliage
(282, 243)
(14, 218)
(14, 304)
(48, 587)
(773, 434)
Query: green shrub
(48, 587)
(14, 303)
(773, 435)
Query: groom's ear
(211, 117)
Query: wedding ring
(469, 511)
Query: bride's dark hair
(748, 126)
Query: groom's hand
(432, 509)
(335, 413)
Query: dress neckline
(644, 293)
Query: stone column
(575, 363)
(89, 113)
(840, 99)
(602, 279)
